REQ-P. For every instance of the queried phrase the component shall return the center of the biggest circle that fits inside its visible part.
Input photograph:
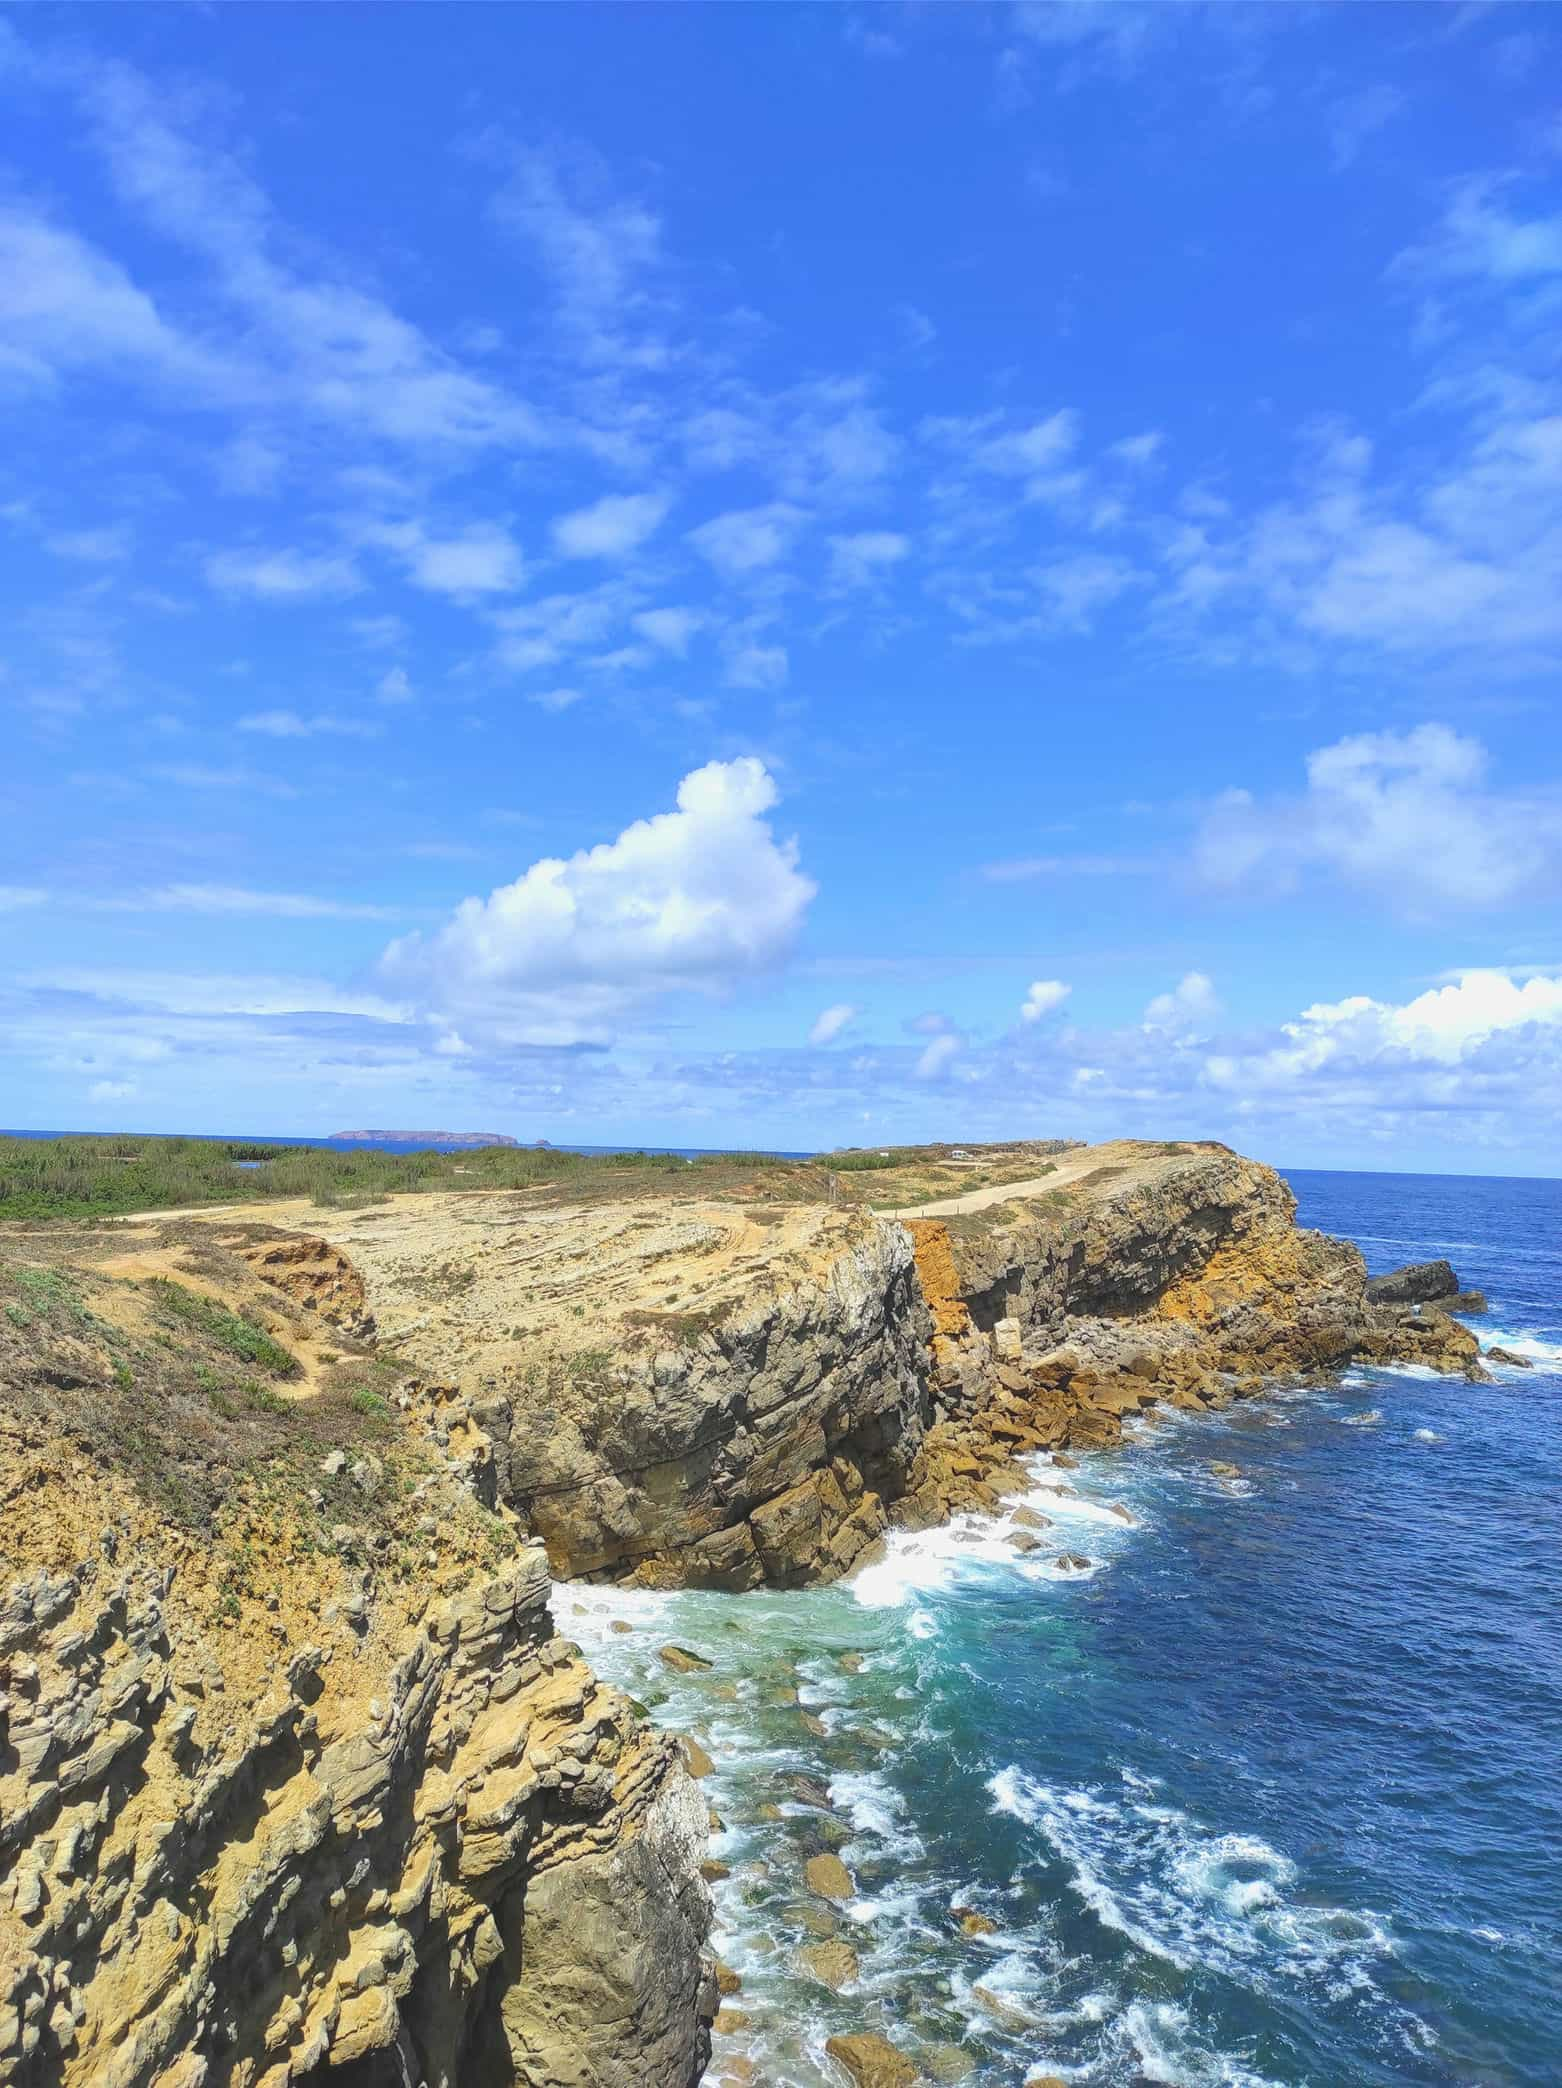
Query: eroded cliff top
(476, 1284)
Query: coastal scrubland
(114, 1174)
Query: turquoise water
(1269, 1794)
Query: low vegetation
(167, 1388)
(101, 1177)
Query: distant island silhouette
(441, 1138)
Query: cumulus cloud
(1191, 1002)
(611, 527)
(1406, 815)
(829, 1023)
(1042, 997)
(1448, 1047)
(689, 901)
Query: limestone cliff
(298, 1783)
(722, 1393)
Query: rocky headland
(298, 1781)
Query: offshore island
(302, 1780)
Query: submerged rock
(682, 1661)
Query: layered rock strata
(698, 1394)
(306, 1789)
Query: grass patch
(679, 1329)
(228, 1330)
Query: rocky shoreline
(313, 1791)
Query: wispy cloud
(282, 576)
(290, 724)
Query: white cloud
(936, 1058)
(1191, 1002)
(689, 901)
(282, 576)
(214, 993)
(555, 699)
(14, 898)
(1075, 588)
(1479, 237)
(541, 633)
(481, 559)
(746, 540)
(1042, 997)
(290, 724)
(92, 546)
(1406, 815)
(757, 667)
(1137, 450)
(111, 1091)
(238, 900)
(63, 305)
(860, 560)
(670, 630)
(1021, 869)
(611, 527)
(320, 348)
(394, 686)
(1356, 118)
(600, 251)
(829, 1023)
(1462, 1046)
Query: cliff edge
(298, 1783)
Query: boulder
(1417, 1283)
(682, 1661)
(868, 2061)
(699, 1762)
(1513, 1360)
(828, 1877)
(1465, 1301)
(833, 1964)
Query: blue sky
(793, 575)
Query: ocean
(1270, 1793)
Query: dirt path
(1063, 1175)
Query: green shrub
(240, 1337)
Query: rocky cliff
(298, 1782)
(719, 1394)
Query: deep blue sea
(1271, 1794)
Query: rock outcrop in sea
(298, 1781)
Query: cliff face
(1143, 1277)
(719, 1395)
(297, 1781)
(762, 1449)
